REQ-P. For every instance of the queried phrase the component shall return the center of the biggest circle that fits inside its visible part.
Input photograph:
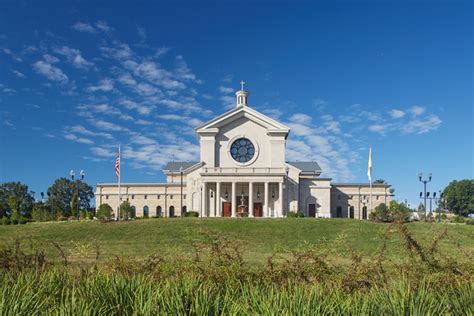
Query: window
(377, 197)
(351, 212)
(183, 210)
(364, 212)
(133, 196)
(171, 211)
(158, 197)
(184, 196)
(145, 196)
(338, 197)
(106, 197)
(133, 212)
(158, 211)
(339, 211)
(171, 197)
(242, 150)
(145, 211)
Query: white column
(204, 199)
(265, 199)
(251, 199)
(280, 198)
(234, 202)
(218, 200)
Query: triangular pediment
(247, 112)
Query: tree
(61, 195)
(459, 197)
(24, 200)
(125, 210)
(41, 212)
(104, 212)
(381, 213)
(74, 203)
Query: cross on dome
(242, 95)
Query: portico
(255, 197)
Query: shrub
(458, 219)
(125, 210)
(381, 214)
(470, 222)
(40, 213)
(5, 221)
(191, 214)
(104, 212)
(295, 214)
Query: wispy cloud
(104, 85)
(51, 72)
(395, 113)
(74, 57)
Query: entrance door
(227, 209)
(257, 209)
(311, 210)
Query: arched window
(364, 212)
(351, 212)
(183, 210)
(146, 213)
(133, 212)
(339, 211)
(158, 211)
(171, 209)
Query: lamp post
(82, 174)
(181, 173)
(424, 181)
(287, 170)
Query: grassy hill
(258, 238)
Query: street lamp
(424, 181)
(181, 172)
(82, 174)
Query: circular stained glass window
(242, 150)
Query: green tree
(459, 197)
(41, 212)
(104, 212)
(74, 204)
(381, 213)
(24, 200)
(125, 210)
(61, 195)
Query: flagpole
(370, 205)
(119, 192)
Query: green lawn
(258, 238)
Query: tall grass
(218, 281)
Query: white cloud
(74, 57)
(79, 129)
(225, 90)
(182, 71)
(18, 74)
(103, 152)
(104, 85)
(84, 27)
(421, 126)
(379, 128)
(51, 72)
(103, 26)
(300, 118)
(394, 113)
(417, 110)
(82, 140)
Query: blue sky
(77, 78)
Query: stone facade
(242, 172)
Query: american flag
(117, 165)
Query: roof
(175, 166)
(246, 111)
(305, 166)
(362, 184)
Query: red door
(257, 209)
(227, 209)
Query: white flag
(369, 165)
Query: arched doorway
(364, 212)
(171, 209)
(158, 211)
(339, 211)
(184, 209)
(133, 212)
(351, 212)
(146, 212)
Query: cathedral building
(242, 172)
